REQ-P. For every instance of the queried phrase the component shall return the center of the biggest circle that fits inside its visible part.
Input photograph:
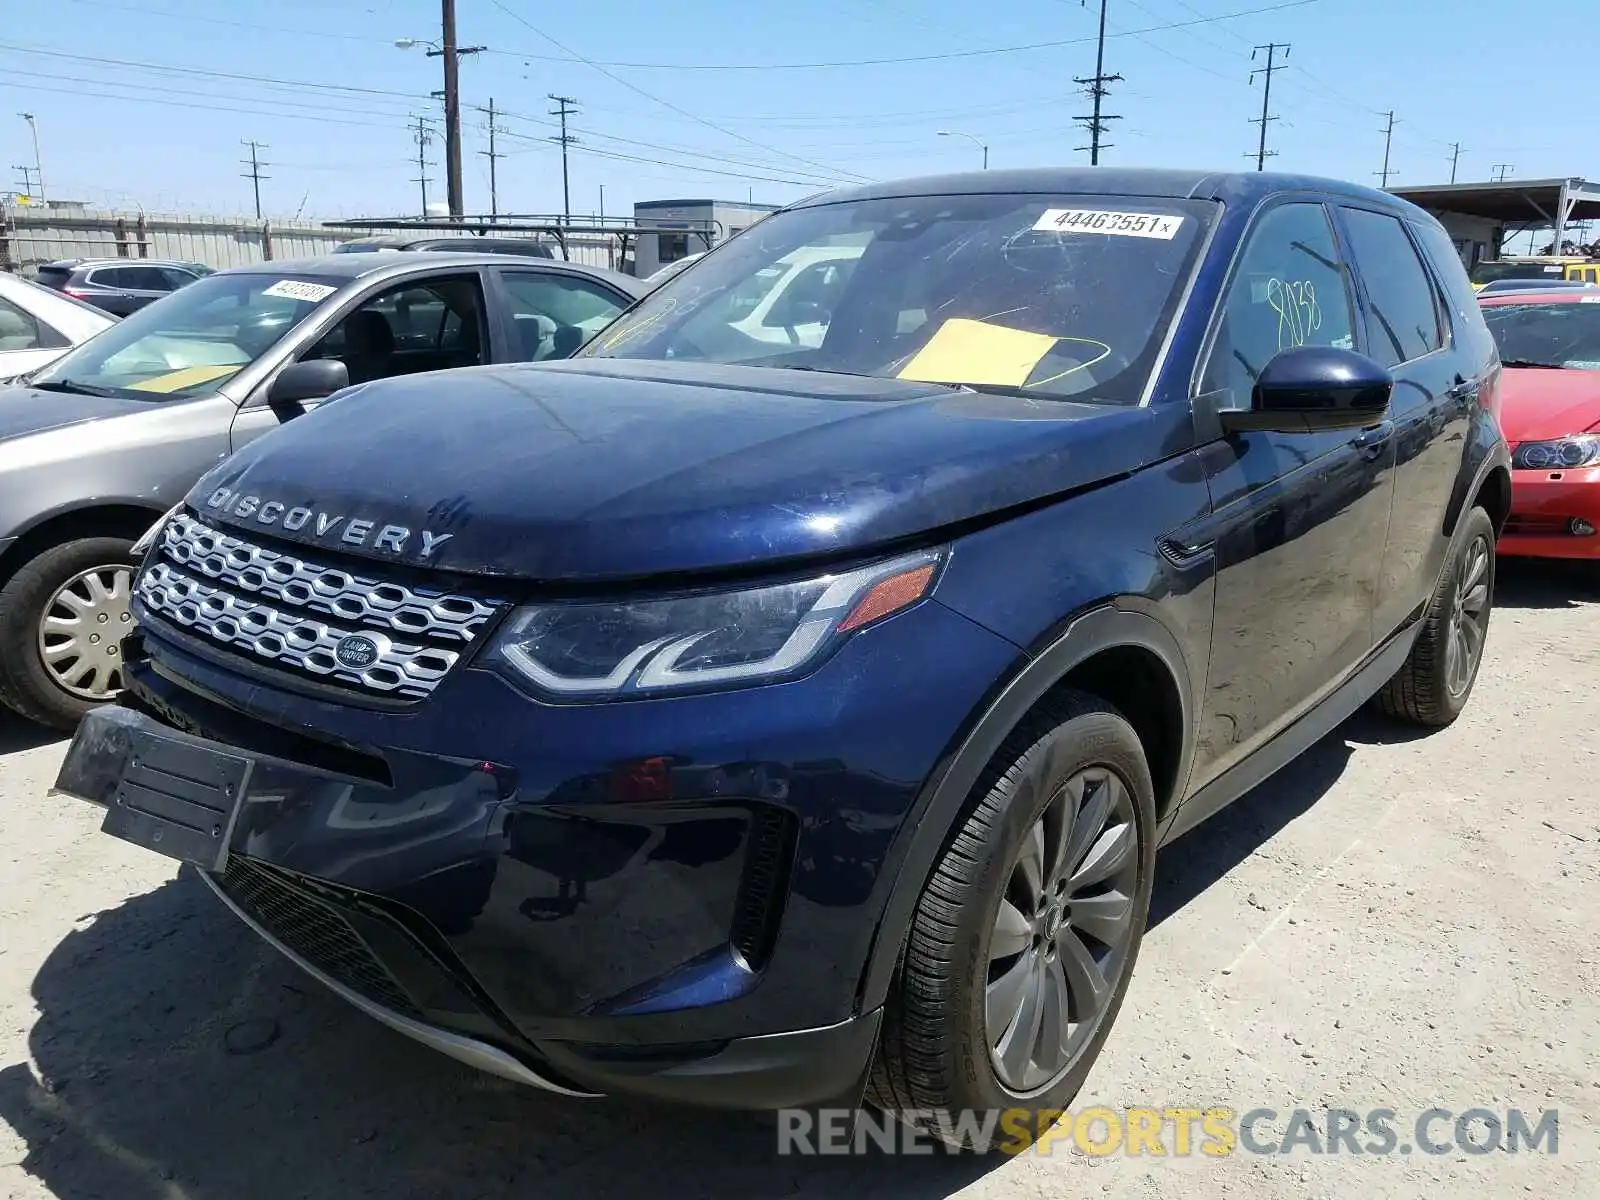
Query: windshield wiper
(73, 387)
(1529, 362)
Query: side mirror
(1310, 388)
(313, 379)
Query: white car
(791, 302)
(38, 326)
(661, 274)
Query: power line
(1095, 84)
(255, 164)
(1388, 140)
(566, 106)
(693, 168)
(1266, 95)
(632, 87)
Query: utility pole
(1388, 139)
(1272, 49)
(255, 164)
(38, 163)
(452, 55)
(1499, 170)
(1455, 155)
(423, 138)
(492, 155)
(1096, 86)
(27, 173)
(565, 107)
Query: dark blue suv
(783, 701)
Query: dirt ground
(1393, 922)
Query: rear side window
(1402, 315)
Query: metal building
(684, 225)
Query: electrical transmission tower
(424, 138)
(255, 164)
(1095, 86)
(493, 156)
(1273, 64)
(566, 107)
(1388, 141)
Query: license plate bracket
(177, 797)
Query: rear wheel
(63, 616)
(1437, 679)
(1024, 940)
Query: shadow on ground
(1539, 583)
(18, 734)
(179, 1057)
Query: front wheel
(1024, 939)
(1432, 688)
(63, 616)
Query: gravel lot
(1393, 922)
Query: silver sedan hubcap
(1062, 935)
(1469, 617)
(81, 631)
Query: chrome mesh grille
(294, 613)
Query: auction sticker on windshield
(1121, 224)
(297, 289)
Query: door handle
(1372, 441)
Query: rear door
(1409, 330)
(549, 314)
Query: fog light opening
(1579, 527)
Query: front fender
(940, 804)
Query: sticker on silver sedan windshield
(1120, 224)
(298, 289)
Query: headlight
(595, 651)
(148, 537)
(1580, 450)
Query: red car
(1550, 412)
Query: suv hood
(26, 410)
(598, 469)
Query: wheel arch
(122, 518)
(1125, 657)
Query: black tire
(934, 1052)
(26, 685)
(1428, 690)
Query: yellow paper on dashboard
(185, 377)
(968, 351)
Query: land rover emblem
(357, 652)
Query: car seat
(368, 346)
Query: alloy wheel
(1062, 935)
(81, 631)
(1469, 617)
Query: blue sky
(146, 102)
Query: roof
(1575, 295)
(1520, 201)
(746, 204)
(1235, 186)
(354, 266)
(115, 261)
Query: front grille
(295, 613)
(1520, 525)
(315, 930)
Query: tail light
(75, 293)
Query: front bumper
(1545, 505)
(673, 898)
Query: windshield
(194, 340)
(1563, 334)
(1488, 272)
(1053, 295)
